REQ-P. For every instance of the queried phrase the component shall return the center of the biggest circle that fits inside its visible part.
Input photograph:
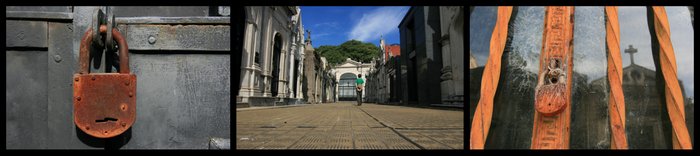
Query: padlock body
(104, 104)
(551, 99)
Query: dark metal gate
(346, 87)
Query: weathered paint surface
(183, 100)
(179, 37)
(26, 99)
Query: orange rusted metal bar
(674, 99)
(617, 99)
(489, 81)
(553, 91)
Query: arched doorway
(346, 87)
(276, 51)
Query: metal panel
(165, 11)
(220, 143)
(25, 34)
(38, 15)
(174, 20)
(179, 37)
(25, 103)
(61, 66)
(40, 8)
(183, 100)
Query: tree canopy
(353, 49)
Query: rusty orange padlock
(550, 92)
(104, 104)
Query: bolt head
(57, 58)
(151, 39)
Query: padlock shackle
(85, 46)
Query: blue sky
(336, 25)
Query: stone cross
(631, 51)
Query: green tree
(353, 49)
(332, 54)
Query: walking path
(346, 126)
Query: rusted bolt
(76, 79)
(93, 78)
(106, 132)
(57, 58)
(78, 98)
(123, 106)
(87, 128)
(131, 94)
(151, 39)
(127, 83)
(123, 124)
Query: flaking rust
(104, 104)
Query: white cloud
(319, 36)
(326, 25)
(382, 20)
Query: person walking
(360, 86)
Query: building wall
(318, 82)
(295, 57)
(354, 67)
(381, 86)
(434, 66)
(452, 77)
(382, 82)
(263, 24)
(309, 85)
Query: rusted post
(489, 82)
(553, 91)
(664, 57)
(617, 99)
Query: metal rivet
(123, 106)
(78, 98)
(105, 132)
(127, 83)
(57, 58)
(87, 128)
(151, 39)
(131, 94)
(76, 79)
(123, 124)
(93, 77)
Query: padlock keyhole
(106, 120)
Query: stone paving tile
(345, 126)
